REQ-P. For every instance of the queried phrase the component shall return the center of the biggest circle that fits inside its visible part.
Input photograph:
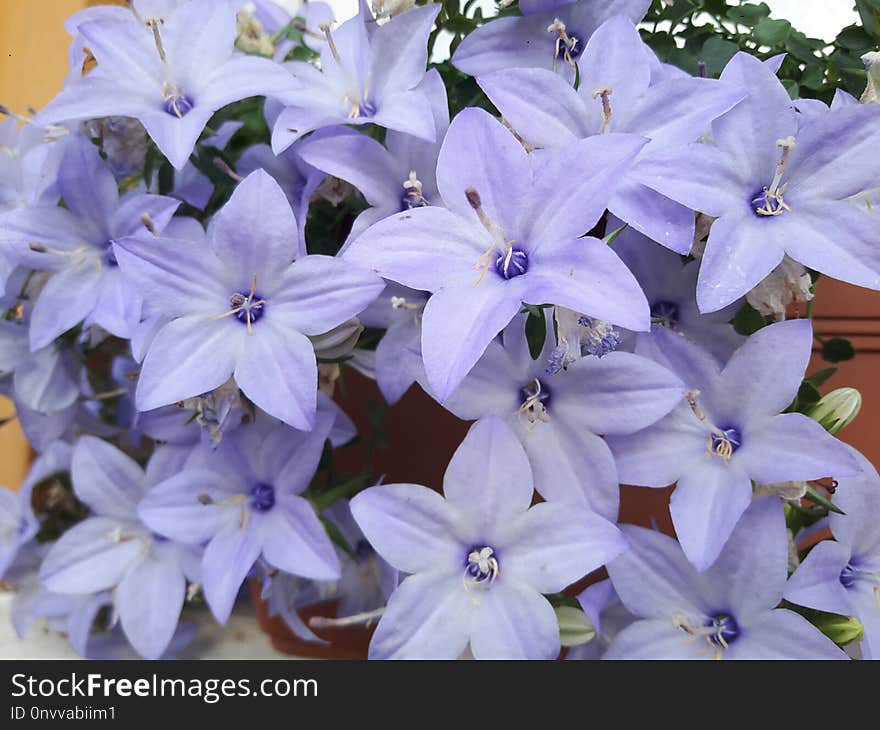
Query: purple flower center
(725, 442)
(366, 108)
(363, 550)
(247, 307)
(766, 204)
(178, 105)
(481, 566)
(848, 576)
(569, 42)
(262, 497)
(412, 199)
(665, 313)
(108, 258)
(511, 263)
(725, 630)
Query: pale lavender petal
(489, 474)
(295, 541)
(318, 293)
(188, 357)
(405, 248)
(767, 370)
(149, 600)
(793, 446)
(43, 382)
(277, 370)
(255, 233)
(554, 545)
(410, 526)
(742, 249)
(514, 621)
(109, 481)
(176, 137)
(656, 216)
(427, 617)
(706, 505)
(654, 639)
(587, 276)
(91, 556)
(816, 582)
(66, 300)
(496, 166)
(753, 567)
(87, 186)
(228, 559)
(783, 634)
(458, 324)
(186, 507)
(659, 455)
(654, 578)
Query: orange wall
(32, 68)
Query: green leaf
(716, 53)
(837, 349)
(749, 13)
(536, 333)
(803, 48)
(612, 237)
(748, 320)
(336, 536)
(772, 32)
(820, 377)
(822, 501)
(808, 394)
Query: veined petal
(189, 356)
(67, 299)
(109, 481)
(553, 545)
(706, 505)
(295, 541)
(816, 582)
(427, 617)
(93, 555)
(783, 634)
(149, 600)
(489, 474)
(400, 48)
(228, 559)
(411, 527)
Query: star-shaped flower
(113, 549)
(364, 78)
(478, 558)
(727, 612)
(75, 243)
(559, 416)
(727, 432)
(776, 188)
(616, 93)
(843, 575)
(243, 500)
(171, 75)
(241, 305)
(511, 232)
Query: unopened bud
(842, 630)
(575, 627)
(390, 8)
(871, 94)
(837, 410)
(339, 341)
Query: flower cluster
(227, 207)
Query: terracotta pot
(345, 643)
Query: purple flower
(172, 76)
(398, 356)
(479, 558)
(776, 188)
(727, 612)
(843, 575)
(365, 78)
(615, 93)
(397, 177)
(608, 615)
(728, 432)
(112, 549)
(243, 500)
(544, 38)
(511, 232)
(557, 417)
(75, 243)
(670, 287)
(241, 305)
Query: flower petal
(109, 481)
(513, 621)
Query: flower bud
(339, 341)
(390, 8)
(837, 410)
(871, 94)
(842, 630)
(575, 627)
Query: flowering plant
(607, 261)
